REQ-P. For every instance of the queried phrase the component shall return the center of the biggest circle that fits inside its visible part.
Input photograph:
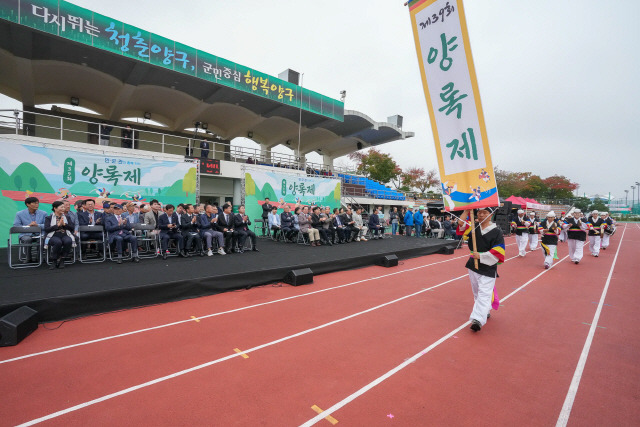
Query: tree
(428, 180)
(376, 165)
(398, 180)
(598, 205)
(560, 187)
(189, 181)
(33, 183)
(582, 203)
(18, 182)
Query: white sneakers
(221, 251)
(209, 252)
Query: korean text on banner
(453, 98)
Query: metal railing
(62, 128)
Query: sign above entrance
(84, 26)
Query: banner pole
(473, 238)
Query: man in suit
(317, 222)
(225, 225)
(169, 229)
(328, 224)
(377, 229)
(130, 213)
(151, 217)
(286, 223)
(338, 224)
(436, 227)
(209, 231)
(30, 217)
(119, 230)
(90, 216)
(266, 210)
(350, 225)
(190, 229)
(241, 226)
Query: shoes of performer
(210, 252)
(475, 325)
(576, 262)
(135, 259)
(546, 266)
(221, 251)
(488, 316)
(255, 249)
(595, 255)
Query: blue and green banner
(52, 174)
(81, 25)
(282, 189)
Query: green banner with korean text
(81, 25)
(282, 189)
(52, 174)
(453, 98)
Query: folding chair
(302, 238)
(148, 246)
(70, 261)
(258, 223)
(36, 244)
(125, 256)
(98, 242)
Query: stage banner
(51, 174)
(283, 189)
(453, 98)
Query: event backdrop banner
(51, 174)
(284, 189)
(453, 98)
(81, 25)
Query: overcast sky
(556, 77)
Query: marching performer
(550, 230)
(489, 253)
(595, 231)
(576, 234)
(533, 231)
(563, 232)
(522, 232)
(608, 228)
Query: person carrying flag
(489, 252)
(550, 230)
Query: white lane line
(575, 382)
(412, 359)
(213, 362)
(220, 313)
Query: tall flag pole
(452, 94)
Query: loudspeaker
(446, 251)
(387, 261)
(505, 209)
(299, 277)
(17, 325)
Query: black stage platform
(84, 289)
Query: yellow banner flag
(453, 98)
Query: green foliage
(189, 181)
(337, 192)
(376, 165)
(267, 191)
(22, 179)
(582, 203)
(526, 184)
(4, 179)
(83, 188)
(9, 207)
(598, 204)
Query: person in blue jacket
(408, 220)
(418, 220)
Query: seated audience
(287, 223)
(190, 230)
(59, 239)
(32, 216)
(225, 225)
(170, 229)
(274, 221)
(359, 225)
(317, 222)
(209, 231)
(241, 226)
(377, 229)
(119, 231)
(304, 221)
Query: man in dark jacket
(377, 229)
(190, 229)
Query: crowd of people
(320, 225)
(420, 223)
(573, 227)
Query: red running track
(319, 348)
